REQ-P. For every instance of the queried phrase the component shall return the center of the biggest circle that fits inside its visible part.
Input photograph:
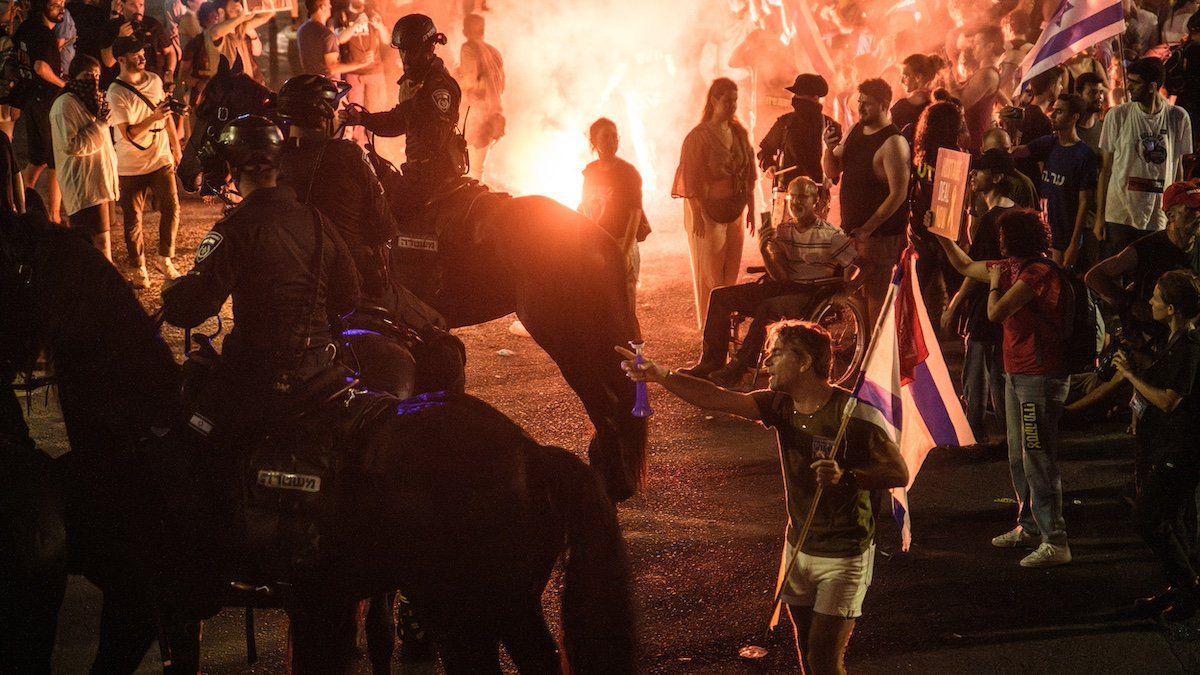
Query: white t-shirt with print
(1147, 152)
(129, 108)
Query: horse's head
(228, 94)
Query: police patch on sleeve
(208, 245)
(441, 98)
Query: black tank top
(863, 191)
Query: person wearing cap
(794, 141)
(426, 113)
(983, 369)
(147, 151)
(1148, 258)
(161, 55)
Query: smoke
(569, 62)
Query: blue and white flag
(905, 387)
(1077, 25)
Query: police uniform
(335, 177)
(263, 253)
(428, 120)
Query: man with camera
(1147, 259)
(147, 153)
(133, 23)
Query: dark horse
(561, 274)
(444, 497)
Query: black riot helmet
(309, 100)
(414, 31)
(250, 142)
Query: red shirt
(1034, 335)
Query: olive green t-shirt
(844, 523)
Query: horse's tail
(598, 624)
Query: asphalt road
(705, 534)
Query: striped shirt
(815, 253)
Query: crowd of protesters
(1078, 188)
(1073, 281)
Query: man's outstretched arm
(698, 392)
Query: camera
(1013, 113)
(1105, 370)
(141, 32)
(176, 106)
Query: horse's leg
(572, 295)
(323, 632)
(381, 632)
(592, 369)
(527, 639)
(126, 631)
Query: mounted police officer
(334, 175)
(427, 112)
(290, 277)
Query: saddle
(453, 221)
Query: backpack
(1083, 325)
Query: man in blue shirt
(1069, 172)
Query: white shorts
(831, 586)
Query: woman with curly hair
(715, 178)
(1027, 296)
(937, 127)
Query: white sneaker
(1048, 555)
(166, 267)
(141, 278)
(1016, 538)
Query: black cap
(809, 84)
(126, 45)
(996, 160)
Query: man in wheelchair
(801, 254)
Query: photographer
(1147, 258)
(161, 56)
(83, 152)
(147, 152)
(1167, 468)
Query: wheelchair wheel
(845, 317)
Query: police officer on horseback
(427, 112)
(290, 277)
(334, 175)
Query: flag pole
(1121, 63)
(838, 440)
